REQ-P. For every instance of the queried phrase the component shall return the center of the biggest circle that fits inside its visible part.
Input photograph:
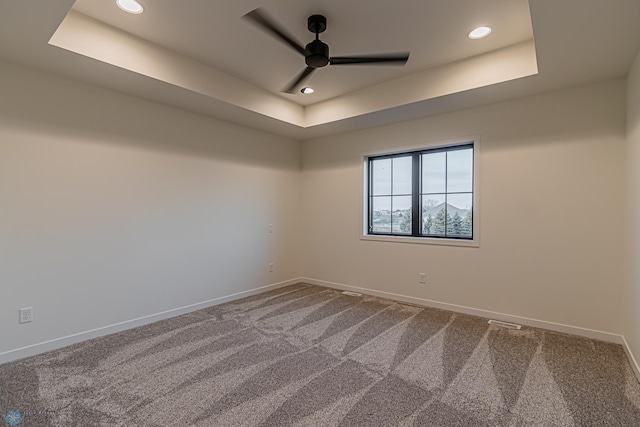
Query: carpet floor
(305, 355)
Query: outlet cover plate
(26, 315)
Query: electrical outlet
(270, 267)
(270, 228)
(422, 278)
(25, 315)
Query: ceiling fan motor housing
(317, 54)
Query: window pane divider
(416, 214)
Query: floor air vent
(353, 294)
(504, 324)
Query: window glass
(381, 177)
(460, 171)
(401, 214)
(381, 217)
(434, 173)
(402, 175)
(443, 187)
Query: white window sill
(422, 240)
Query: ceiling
(204, 57)
(220, 38)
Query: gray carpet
(306, 355)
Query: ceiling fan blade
(391, 59)
(266, 23)
(298, 80)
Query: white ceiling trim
(94, 39)
(565, 53)
(85, 36)
(500, 66)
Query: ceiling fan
(316, 53)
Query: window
(427, 193)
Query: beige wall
(113, 208)
(551, 211)
(632, 208)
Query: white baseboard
(32, 350)
(57, 343)
(558, 327)
(632, 359)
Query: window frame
(436, 146)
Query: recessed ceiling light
(307, 90)
(480, 32)
(131, 6)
